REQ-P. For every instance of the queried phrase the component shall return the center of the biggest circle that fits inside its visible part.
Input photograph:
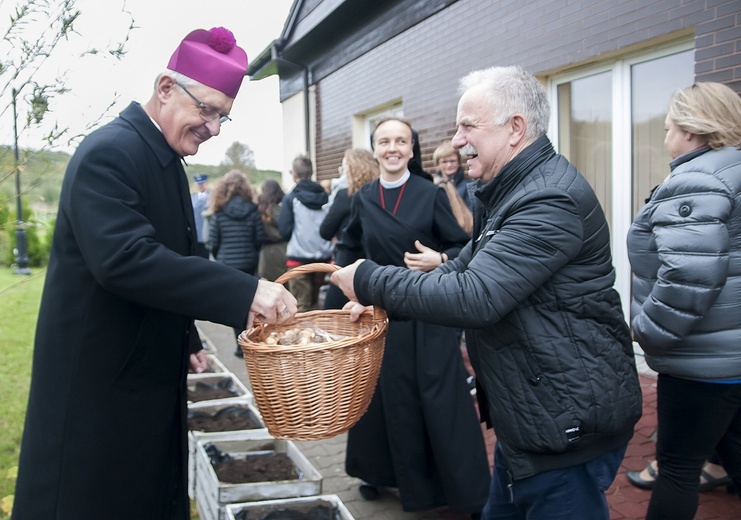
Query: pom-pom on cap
(212, 58)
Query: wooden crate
(234, 383)
(194, 436)
(213, 495)
(258, 510)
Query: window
(608, 120)
(363, 124)
(652, 84)
(585, 130)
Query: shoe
(711, 482)
(634, 477)
(238, 353)
(369, 491)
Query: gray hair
(509, 91)
(178, 78)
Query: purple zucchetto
(212, 58)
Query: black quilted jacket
(545, 331)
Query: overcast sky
(160, 26)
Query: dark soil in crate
(270, 467)
(203, 391)
(315, 513)
(230, 418)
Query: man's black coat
(105, 427)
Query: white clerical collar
(389, 185)
(155, 124)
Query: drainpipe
(305, 70)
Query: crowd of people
(366, 216)
(533, 290)
(514, 253)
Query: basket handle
(316, 267)
(319, 267)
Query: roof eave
(266, 63)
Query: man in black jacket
(534, 290)
(105, 433)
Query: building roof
(321, 36)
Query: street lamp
(21, 242)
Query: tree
(36, 30)
(32, 32)
(239, 157)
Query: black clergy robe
(421, 432)
(105, 431)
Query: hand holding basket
(317, 390)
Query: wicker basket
(315, 391)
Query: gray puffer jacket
(301, 215)
(685, 252)
(544, 326)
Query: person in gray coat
(301, 215)
(546, 336)
(685, 251)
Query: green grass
(20, 296)
(19, 306)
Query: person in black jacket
(272, 262)
(235, 230)
(105, 433)
(552, 353)
(359, 168)
(448, 161)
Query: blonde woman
(359, 168)
(449, 169)
(685, 252)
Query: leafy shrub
(37, 249)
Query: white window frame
(362, 127)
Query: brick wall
(422, 66)
(718, 45)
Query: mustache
(468, 150)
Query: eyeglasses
(207, 113)
(451, 161)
